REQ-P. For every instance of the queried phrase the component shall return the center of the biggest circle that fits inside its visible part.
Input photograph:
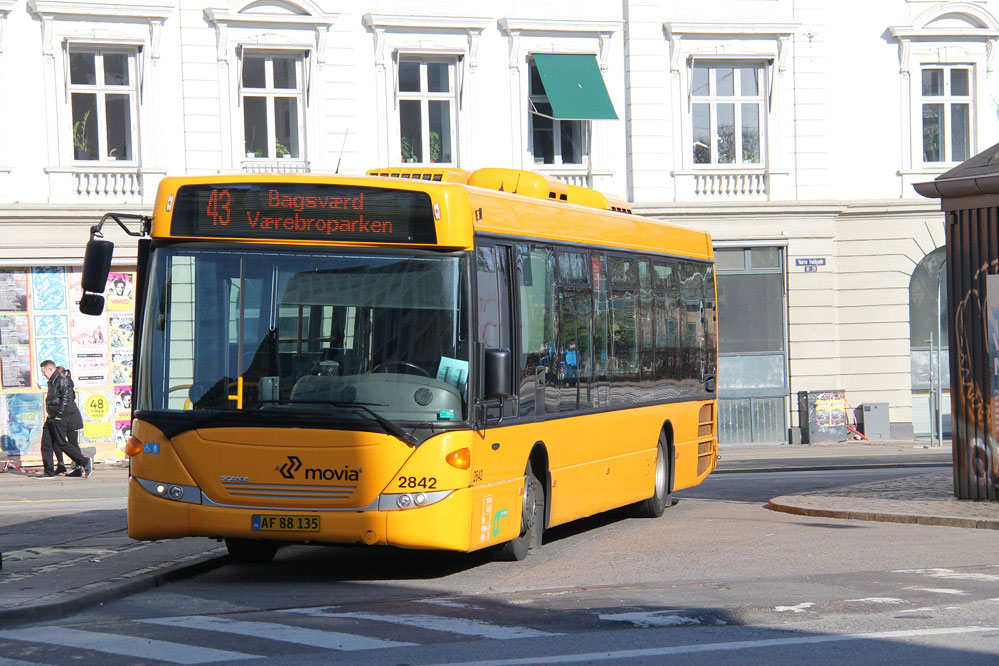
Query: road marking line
(330, 640)
(938, 590)
(800, 608)
(131, 646)
(453, 625)
(953, 575)
(719, 647)
(647, 619)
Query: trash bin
(872, 418)
(822, 415)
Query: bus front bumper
(463, 521)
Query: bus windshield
(360, 336)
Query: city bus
(419, 358)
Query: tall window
(102, 97)
(727, 113)
(426, 110)
(273, 101)
(946, 106)
(553, 141)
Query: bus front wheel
(251, 551)
(531, 521)
(654, 506)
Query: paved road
(718, 580)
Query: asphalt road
(719, 579)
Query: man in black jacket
(57, 405)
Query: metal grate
(751, 420)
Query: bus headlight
(394, 502)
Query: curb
(113, 588)
(825, 467)
(783, 505)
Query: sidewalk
(924, 499)
(65, 546)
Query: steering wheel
(403, 363)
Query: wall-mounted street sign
(810, 264)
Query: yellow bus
(419, 358)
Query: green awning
(574, 86)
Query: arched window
(930, 367)
(926, 283)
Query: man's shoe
(50, 473)
(60, 471)
(76, 472)
(88, 467)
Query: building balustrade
(276, 166)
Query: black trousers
(55, 441)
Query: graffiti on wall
(975, 386)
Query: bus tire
(251, 551)
(662, 497)
(532, 518)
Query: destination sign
(304, 211)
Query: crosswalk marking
(130, 646)
(454, 625)
(330, 640)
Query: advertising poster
(122, 431)
(121, 326)
(48, 288)
(15, 352)
(96, 410)
(89, 350)
(123, 403)
(992, 342)
(121, 366)
(13, 291)
(54, 349)
(21, 417)
(15, 366)
(119, 295)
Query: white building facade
(791, 129)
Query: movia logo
(294, 464)
(289, 468)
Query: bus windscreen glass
(303, 211)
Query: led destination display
(304, 211)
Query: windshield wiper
(390, 427)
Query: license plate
(266, 522)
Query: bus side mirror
(91, 304)
(96, 266)
(496, 373)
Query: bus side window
(536, 291)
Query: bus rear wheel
(251, 551)
(531, 521)
(654, 506)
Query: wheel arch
(667, 429)
(539, 463)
